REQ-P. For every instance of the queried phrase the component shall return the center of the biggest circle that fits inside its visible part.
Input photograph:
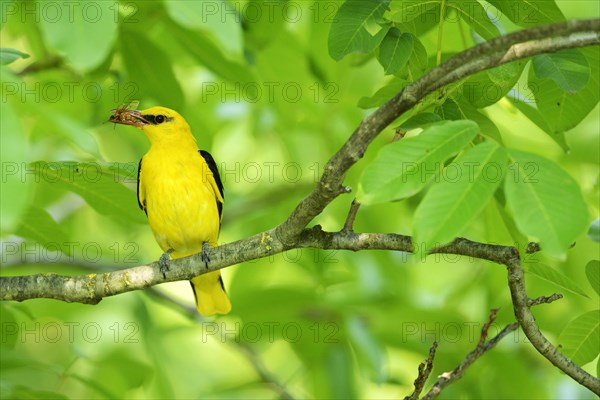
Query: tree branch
(292, 233)
(448, 377)
(500, 50)
(482, 347)
(521, 306)
(91, 288)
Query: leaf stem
(440, 32)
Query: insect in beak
(128, 115)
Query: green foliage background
(272, 90)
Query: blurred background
(257, 84)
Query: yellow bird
(180, 190)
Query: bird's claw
(205, 255)
(163, 262)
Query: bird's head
(160, 124)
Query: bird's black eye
(156, 119)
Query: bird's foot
(205, 255)
(163, 262)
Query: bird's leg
(205, 255)
(164, 262)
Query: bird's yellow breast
(180, 199)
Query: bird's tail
(210, 294)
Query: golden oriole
(180, 190)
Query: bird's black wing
(212, 165)
(140, 203)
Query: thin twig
(264, 373)
(486, 326)
(398, 135)
(482, 346)
(424, 371)
(544, 299)
(533, 247)
(52, 62)
(245, 349)
(348, 225)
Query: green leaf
(594, 231)
(545, 201)
(403, 168)
(24, 392)
(455, 109)
(131, 374)
(39, 226)
(94, 384)
(569, 69)
(529, 13)
(519, 240)
(563, 110)
(418, 62)
(422, 13)
(382, 95)
(356, 27)
(70, 31)
(558, 278)
(467, 184)
(218, 19)
(476, 16)
(534, 115)
(71, 129)
(258, 32)
(420, 120)
(592, 271)
(204, 50)
(100, 190)
(15, 193)
(580, 341)
(150, 68)
(8, 56)
(10, 328)
(448, 110)
(339, 374)
(367, 348)
(123, 172)
(486, 125)
(488, 87)
(274, 305)
(395, 51)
